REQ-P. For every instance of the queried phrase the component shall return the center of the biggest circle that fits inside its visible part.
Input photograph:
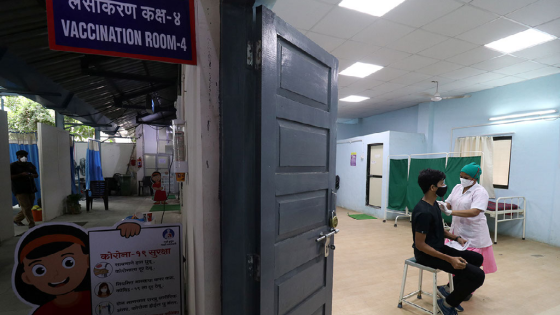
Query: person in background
(467, 203)
(428, 237)
(23, 187)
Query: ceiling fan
(437, 97)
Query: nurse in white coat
(467, 203)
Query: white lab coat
(474, 229)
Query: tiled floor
(368, 269)
(119, 208)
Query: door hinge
(254, 54)
(254, 266)
(250, 54)
(258, 55)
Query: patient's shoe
(444, 309)
(443, 290)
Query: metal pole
(59, 120)
(2, 101)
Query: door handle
(327, 246)
(323, 237)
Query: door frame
(240, 216)
(368, 176)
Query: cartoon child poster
(160, 196)
(51, 271)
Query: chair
(402, 299)
(145, 182)
(97, 189)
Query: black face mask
(441, 191)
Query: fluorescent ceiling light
(542, 112)
(520, 41)
(550, 117)
(361, 70)
(372, 7)
(354, 99)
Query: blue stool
(402, 299)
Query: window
(502, 161)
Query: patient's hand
(458, 263)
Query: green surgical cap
(473, 170)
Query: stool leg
(402, 285)
(451, 287)
(435, 307)
(420, 284)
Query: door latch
(327, 238)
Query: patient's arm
(420, 243)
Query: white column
(201, 207)
(6, 219)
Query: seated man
(428, 236)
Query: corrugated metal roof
(23, 31)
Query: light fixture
(550, 117)
(542, 112)
(354, 99)
(361, 70)
(520, 41)
(371, 7)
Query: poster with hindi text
(140, 275)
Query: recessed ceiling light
(361, 70)
(542, 112)
(372, 7)
(520, 41)
(354, 99)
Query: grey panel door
(298, 101)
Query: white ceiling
(427, 40)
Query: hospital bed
(507, 209)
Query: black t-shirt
(426, 219)
(23, 184)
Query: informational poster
(63, 269)
(142, 29)
(353, 156)
(141, 275)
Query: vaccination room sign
(63, 269)
(141, 29)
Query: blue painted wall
(535, 163)
(404, 120)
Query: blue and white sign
(142, 29)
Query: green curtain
(414, 193)
(453, 171)
(398, 178)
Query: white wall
(352, 192)
(6, 219)
(201, 208)
(54, 160)
(115, 158)
(150, 139)
(80, 150)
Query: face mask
(466, 182)
(23, 159)
(104, 290)
(441, 191)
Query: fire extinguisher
(133, 162)
(139, 162)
